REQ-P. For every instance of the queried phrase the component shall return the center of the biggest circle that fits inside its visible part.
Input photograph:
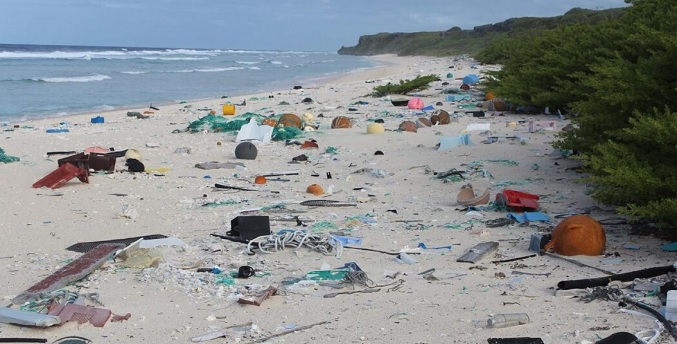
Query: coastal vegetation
(405, 86)
(616, 80)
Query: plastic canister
(228, 109)
(671, 306)
(507, 320)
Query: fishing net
(221, 124)
(218, 124)
(4, 158)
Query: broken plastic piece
(467, 196)
(454, 141)
(478, 252)
(80, 313)
(73, 340)
(60, 176)
(507, 320)
(258, 298)
(19, 317)
(73, 271)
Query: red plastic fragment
(80, 313)
(60, 176)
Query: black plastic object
(245, 272)
(249, 227)
(520, 340)
(73, 340)
(246, 151)
(23, 340)
(625, 277)
(618, 338)
(134, 165)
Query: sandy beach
(396, 201)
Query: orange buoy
(440, 117)
(423, 122)
(408, 126)
(578, 234)
(269, 122)
(290, 120)
(260, 180)
(315, 189)
(341, 122)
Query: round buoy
(290, 120)
(260, 180)
(442, 117)
(341, 122)
(246, 150)
(308, 117)
(378, 152)
(375, 128)
(423, 122)
(269, 122)
(497, 104)
(408, 126)
(133, 154)
(315, 189)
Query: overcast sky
(302, 25)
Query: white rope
(324, 243)
(646, 336)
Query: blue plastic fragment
(423, 246)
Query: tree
(636, 170)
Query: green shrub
(405, 86)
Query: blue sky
(303, 25)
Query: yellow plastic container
(228, 109)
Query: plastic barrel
(228, 109)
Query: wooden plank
(478, 252)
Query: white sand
(173, 305)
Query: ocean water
(39, 81)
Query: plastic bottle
(507, 320)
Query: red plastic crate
(60, 176)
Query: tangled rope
(323, 243)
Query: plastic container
(228, 109)
(57, 130)
(671, 306)
(507, 320)
(97, 119)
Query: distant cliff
(456, 41)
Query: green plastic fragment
(326, 275)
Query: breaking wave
(87, 78)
